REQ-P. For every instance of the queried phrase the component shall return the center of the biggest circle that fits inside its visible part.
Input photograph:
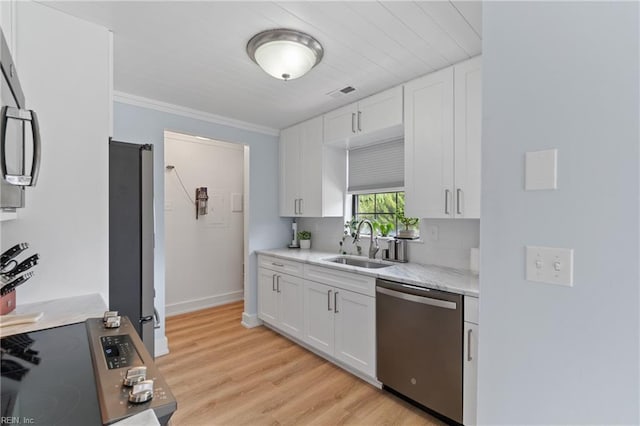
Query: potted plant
(409, 231)
(305, 239)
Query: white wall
(204, 256)
(455, 238)
(64, 67)
(565, 76)
(140, 124)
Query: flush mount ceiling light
(284, 54)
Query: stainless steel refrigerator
(131, 234)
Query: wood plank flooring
(224, 374)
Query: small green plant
(408, 222)
(304, 235)
(384, 228)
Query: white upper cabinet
(428, 145)
(312, 176)
(467, 137)
(290, 171)
(376, 118)
(442, 143)
(340, 124)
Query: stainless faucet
(373, 245)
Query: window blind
(377, 167)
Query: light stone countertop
(56, 313)
(460, 281)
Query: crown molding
(139, 101)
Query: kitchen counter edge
(56, 313)
(459, 281)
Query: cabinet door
(318, 316)
(291, 301)
(267, 297)
(355, 338)
(470, 374)
(289, 171)
(380, 111)
(312, 168)
(468, 134)
(340, 124)
(428, 149)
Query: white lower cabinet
(319, 316)
(280, 301)
(470, 374)
(341, 323)
(470, 362)
(355, 334)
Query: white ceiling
(193, 54)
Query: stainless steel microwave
(19, 137)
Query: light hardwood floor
(224, 374)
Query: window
(380, 207)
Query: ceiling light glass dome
(284, 54)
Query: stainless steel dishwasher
(419, 345)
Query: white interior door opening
(204, 256)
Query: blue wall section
(550, 354)
(266, 229)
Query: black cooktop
(48, 378)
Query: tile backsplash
(444, 242)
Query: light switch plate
(236, 202)
(549, 265)
(541, 170)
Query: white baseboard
(161, 346)
(250, 320)
(205, 302)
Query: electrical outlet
(432, 232)
(549, 265)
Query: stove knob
(109, 314)
(135, 375)
(141, 392)
(112, 322)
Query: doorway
(204, 254)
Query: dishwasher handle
(417, 299)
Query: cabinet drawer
(345, 280)
(280, 265)
(471, 309)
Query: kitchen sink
(361, 263)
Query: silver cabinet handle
(277, 264)
(353, 122)
(446, 201)
(446, 304)
(329, 300)
(458, 200)
(295, 206)
(469, 358)
(278, 283)
(300, 206)
(359, 121)
(335, 302)
(273, 282)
